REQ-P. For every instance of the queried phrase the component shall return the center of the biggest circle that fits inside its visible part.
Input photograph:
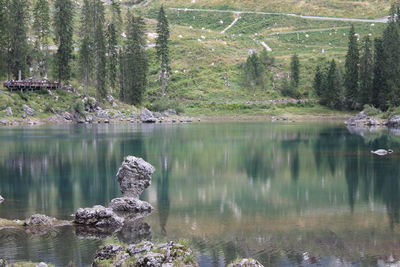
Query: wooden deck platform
(30, 85)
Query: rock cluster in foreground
(145, 254)
(134, 176)
(246, 263)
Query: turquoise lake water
(285, 194)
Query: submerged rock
(134, 176)
(1, 199)
(127, 204)
(41, 264)
(135, 231)
(39, 220)
(146, 116)
(3, 262)
(146, 254)
(98, 216)
(246, 263)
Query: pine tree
(85, 62)
(134, 66)
(366, 73)
(318, 81)
(41, 30)
(351, 70)
(267, 60)
(391, 67)
(112, 52)
(255, 73)
(295, 71)
(163, 50)
(4, 36)
(332, 93)
(379, 88)
(99, 46)
(17, 31)
(63, 27)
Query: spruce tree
(17, 33)
(134, 66)
(318, 81)
(380, 90)
(366, 73)
(332, 88)
(4, 36)
(162, 46)
(99, 46)
(85, 62)
(63, 28)
(351, 70)
(295, 71)
(255, 72)
(112, 52)
(391, 49)
(86, 34)
(41, 31)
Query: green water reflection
(286, 194)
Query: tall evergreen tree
(134, 66)
(86, 34)
(318, 81)
(295, 71)
(41, 30)
(63, 27)
(4, 37)
(332, 94)
(391, 49)
(379, 84)
(255, 72)
(112, 52)
(162, 46)
(99, 43)
(366, 73)
(17, 31)
(351, 70)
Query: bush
(22, 96)
(79, 108)
(370, 110)
(163, 104)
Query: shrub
(78, 107)
(163, 104)
(370, 110)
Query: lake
(286, 194)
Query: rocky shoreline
(362, 119)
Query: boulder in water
(134, 176)
(1, 199)
(246, 263)
(98, 216)
(146, 116)
(394, 121)
(39, 220)
(126, 204)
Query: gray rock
(134, 176)
(394, 121)
(3, 262)
(169, 112)
(9, 112)
(39, 220)
(109, 114)
(98, 216)
(89, 119)
(68, 116)
(157, 115)
(151, 259)
(246, 263)
(146, 116)
(361, 119)
(28, 110)
(1, 199)
(41, 264)
(130, 205)
(110, 99)
(108, 252)
(143, 247)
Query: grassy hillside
(207, 56)
(340, 8)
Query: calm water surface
(285, 194)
